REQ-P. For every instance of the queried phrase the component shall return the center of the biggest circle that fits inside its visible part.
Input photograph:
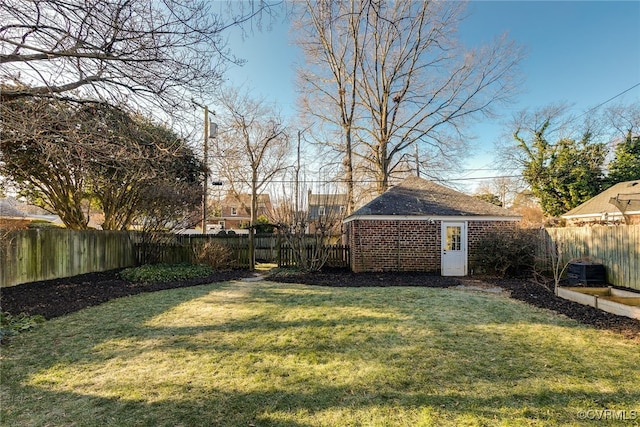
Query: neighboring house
(326, 210)
(619, 204)
(422, 226)
(234, 211)
(15, 214)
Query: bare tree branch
(148, 52)
(412, 83)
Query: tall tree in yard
(252, 147)
(329, 39)
(395, 77)
(145, 52)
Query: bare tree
(504, 188)
(150, 51)
(557, 123)
(624, 119)
(329, 39)
(413, 83)
(252, 147)
(308, 230)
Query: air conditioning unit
(586, 273)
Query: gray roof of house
(623, 196)
(418, 197)
(12, 208)
(8, 209)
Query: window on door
(454, 238)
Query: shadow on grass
(302, 356)
(314, 407)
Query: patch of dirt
(346, 278)
(53, 298)
(538, 295)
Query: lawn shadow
(286, 354)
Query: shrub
(41, 223)
(507, 252)
(213, 254)
(165, 272)
(11, 325)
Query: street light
(210, 131)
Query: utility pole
(206, 161)
(297, 181)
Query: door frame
(463, 246)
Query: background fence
(177, 248)
(616, 247)
(337, 255)
(42, 254)
(33, 255)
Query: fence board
(616, 247)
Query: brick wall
(394, 245)
(407, 245)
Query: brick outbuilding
(419, 225)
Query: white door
(454, 249)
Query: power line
(608, 100)
(375, 181)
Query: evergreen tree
(625, 166)
(565, 174)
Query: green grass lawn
(261, 353)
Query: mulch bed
(53, 298)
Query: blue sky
(579, 52)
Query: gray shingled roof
(625, 195)
(12, 208)
(418, 197)
(8, 209)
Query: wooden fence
(268, 248)
(176, 248)
(34, 255)
(337, 256)
(616, 247)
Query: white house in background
(619, 204)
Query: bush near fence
(177, 248)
